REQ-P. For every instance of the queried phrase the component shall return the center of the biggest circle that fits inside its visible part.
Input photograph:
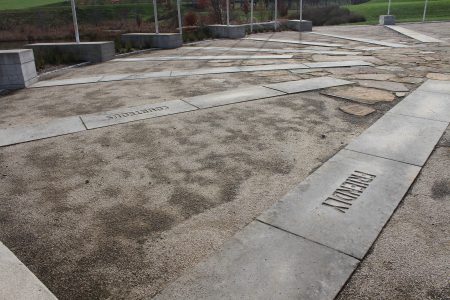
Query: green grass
(403, 10)
(21, 4)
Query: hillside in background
(403, 10)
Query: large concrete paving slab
(428, 105)
(364, 40)
(17, 281)
(436, 86)
(233, 96)
(294, 42)
(414, 34)
(263, 262)
(307, 84)
(337, 64)
(203, 57)
(15, 135)
(399, 137)
(71, 81)
(244, 49)
(345, 203)
(135, 113)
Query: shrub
(190, 19)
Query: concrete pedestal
(387, 20)
(297, 25)
(17, 69)
(227, 31)
(94, 52)
(153, 40)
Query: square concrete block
(17, 69)
(401, 138)
(297, 25)
(227, 31)
(263, 262)
(153, 40)
(94, 52)
(387, 20)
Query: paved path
(369, 41)
(205, 71)
(414, 34)
(308, 244)
(203, 57)
(244, 49)
(293, 42)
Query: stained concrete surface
(120, 211)
(75, 209)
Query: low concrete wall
(17, 69)
(153, 40)
(387, 20)
(300, 26)
(227, 31)
(94, 52)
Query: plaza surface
(121, 209)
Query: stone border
(293, 42)
(206, 71)
(363, 40)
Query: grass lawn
(403, 10)
(20, 4)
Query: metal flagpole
(228, 12)
(75, 22)
(179, 17)
(276, 13)
(425, 10)
(301, 11)
(389, 8)
(251, 17)
(155, 11)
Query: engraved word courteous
(137, 112)
(349, 191)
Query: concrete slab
(233, 96)
(360, 94)
(263, 262)
(402, 138)
(135, 113)
(243, 49)
(72, 81)
(337, 64)
(272, 67)
(15, 135)
(427, 105)
(384, 85)
(17, 69)
(294, 42)
(345, 203)
(204, 57)
(17, 281)
(117, 77)
(369, 41)
(436, 86)
(307, 84)
(227, 31)
(414, 34)
(301, 26)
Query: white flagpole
(179, 16)
(155, 11)
(276, 13)
(75, 22)
(228, 12)
(251, 17)
(425, 10)
(389, 8)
